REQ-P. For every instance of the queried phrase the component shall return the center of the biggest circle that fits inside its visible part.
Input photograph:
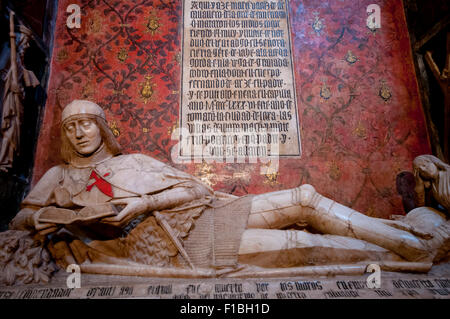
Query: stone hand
(134, 207)
(41, 228)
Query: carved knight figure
(432, 175)
(133, 215)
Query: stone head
(84, 131)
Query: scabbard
(173, 237)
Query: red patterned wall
(360, 114)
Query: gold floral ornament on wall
(152, 24)
(95, 22)
(271, 173)
(122, 55)
(350, 57)
(384, 92)
(118, 92)
(177, 57)
(172, 129)
(88, 90)
(114, 128)
(204, 172)
(334, 171)
(146, 91)
(325, 91)
(271, 178)
(62, 55)
(360, 131)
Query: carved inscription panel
(238, 95)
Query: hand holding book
(49, 217)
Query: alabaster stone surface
(433, 179)
(120, 214)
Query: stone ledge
(434, 285)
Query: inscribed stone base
(434, 285)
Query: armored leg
(304, 204)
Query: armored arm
(166, 199)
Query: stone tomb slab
(434, 285)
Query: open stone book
(64, 216)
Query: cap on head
(80, 107)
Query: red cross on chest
(100, 183)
